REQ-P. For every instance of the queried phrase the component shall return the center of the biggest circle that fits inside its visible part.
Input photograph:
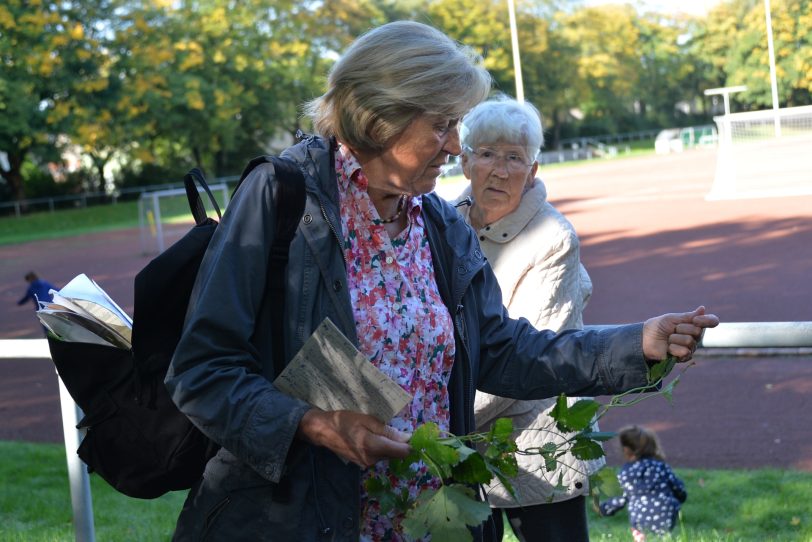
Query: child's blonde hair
(641, 442)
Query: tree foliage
(50, 58)
(160, 85)
(733, 42)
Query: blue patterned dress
(652, 493)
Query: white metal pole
(517, 63)
(159, 229)
(773, 79)
(78, 477)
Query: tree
(666, 67)
(734, 44)
(212, 83)
(50, 54)
(608, 60)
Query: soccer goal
(164, 215)
(764, 154)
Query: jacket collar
(459, 256)
(508, 227)
(455, 249)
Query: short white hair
(502, 120)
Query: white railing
(768, 338)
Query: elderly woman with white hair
(534, 252)
(401, 276)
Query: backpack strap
(290, 203)
(190, 180)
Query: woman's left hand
(359, 438)
(676, 334)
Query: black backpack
(137, 440)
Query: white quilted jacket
(542, 279)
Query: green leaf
(559, 411)
(379, 489)
(472, 471)
(463, 451)
(439, 457)
(505, 477)
(549, 451)
(446, 513)
(402, 468)
(660, 370)
(668, 390)
(376, 485)
(501, 430)
(581, 414)
(575, 418)
(604, 482)
(584, 448)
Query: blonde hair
(503, 120)
(641, 442)
(390, 75)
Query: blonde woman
(401, 276)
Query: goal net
(764, 154)
(164, 215)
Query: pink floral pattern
(403, 326)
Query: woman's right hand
(356, 437)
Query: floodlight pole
(517, 63)
(773, 79)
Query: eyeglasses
(513, 161)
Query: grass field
(722, 506)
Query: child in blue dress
(651, 491)
(38, 291)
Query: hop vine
(462, 463)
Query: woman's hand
(356, 437)
(676, 334)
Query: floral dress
(404, 328)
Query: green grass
(764, 505)
(97, 218)
(35, 501)
(67, 222)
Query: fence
(150, 217)
(608, 139)
(767, 338)
(74, 201)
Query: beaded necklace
(398, 212)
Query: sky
(693, 7)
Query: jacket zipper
(459, 322)
(335, 234)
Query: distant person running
(38, 290)
(652, 492)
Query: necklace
(398, 211)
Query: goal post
(764, 154)
(160, 209)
